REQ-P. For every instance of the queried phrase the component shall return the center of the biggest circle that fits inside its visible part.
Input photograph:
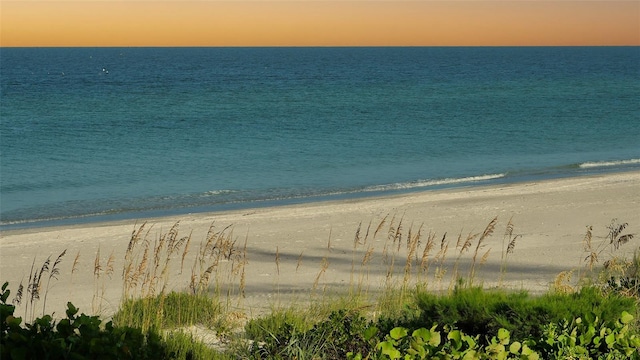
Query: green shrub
(272, 335)
(284, 335)
(74, 337)
(591, 338)
(343, 332)
(430, 343)
(476, 311)
(576, 339)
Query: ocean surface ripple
(102, 133)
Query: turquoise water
(89, 134)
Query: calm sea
(91, 134)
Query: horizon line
(301, 46)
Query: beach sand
(297, 251)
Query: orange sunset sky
(318, 23)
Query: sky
(319, 23)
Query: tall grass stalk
(509, 238)
(55, 271)
(36, 285)
(480, 244)
(613, 240)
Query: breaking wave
(435, 182)
(596, 164)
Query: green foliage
(284, 336)
(277, 334)
(501, 348)
(168, 311)
(172, 311)
(624, 278)
(263, 328)
(591, 338)
(184, 346)
(477, 311)
(578, 339)
(455, 344)
(343, 332)
(74, 337)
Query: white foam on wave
(595, 164)
(435, 182)
(216, 192)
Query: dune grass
(430, 278)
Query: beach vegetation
(170, 311)
(288, 336)
(475, 310)
(432, 302)
(575, 339)
(73, 337)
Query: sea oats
(323, 268)
(512, 244)
(184, 252)
(76, 261)
(367, 256)
(109, 269)
(299, 261)
(18, 298)
(356, 239)
(380, 225)
(55, 271)
(97, 268)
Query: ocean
(95, 134)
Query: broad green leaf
(351, 356)
(528, 352)
(71, 310)
(454, 335)
(471, 355)
(370, 332)
(421, 335)
(496, 348)
(5, 293)
(417, 350)
(388, 349)
(470, 340)
(515, 348)
(626, 317)
(610, 340)
(503, 336)
(456, 339)
(435, 338)
(398, 333)
(580, 350)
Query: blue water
(97, 133)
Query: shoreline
(374, 192)
(550, 215)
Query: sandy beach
(290, 252)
